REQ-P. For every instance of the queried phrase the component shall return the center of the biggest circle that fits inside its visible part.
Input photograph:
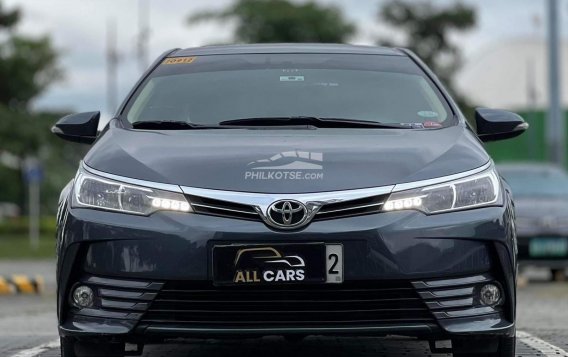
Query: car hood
(286, 160)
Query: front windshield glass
(214, 88)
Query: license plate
(548, 247)
(273, 264)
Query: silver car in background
(541, 204)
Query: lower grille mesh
(202, 305)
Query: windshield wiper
(314, 121)
(171, 125)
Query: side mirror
(79, 128)
(495, 124)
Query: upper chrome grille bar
(263, 200)
(351, 208)
(221, 208)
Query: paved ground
(27, 329)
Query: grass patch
(14, 246)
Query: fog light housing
(83, 296)
(490, 295)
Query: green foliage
(20, 132)
(24, 134)
(8, 18)
(531, 146)
(27, 68)
(18, 247)
(20, 226)
(27, 65)
(259, 21)
(428, 28)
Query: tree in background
(427, 29)
(259, 21)
(27, 67)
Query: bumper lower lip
(486, 325)
(493, 325)
(322, 330)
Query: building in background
(513, 75)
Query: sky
(78, 29)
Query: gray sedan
(541, 204)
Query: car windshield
(530, 182)
(207, 90)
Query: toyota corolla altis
(293, 190)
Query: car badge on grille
(287, 214)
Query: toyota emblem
(287, 214)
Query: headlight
(474, 191)
(96, 192)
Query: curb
(21, 284)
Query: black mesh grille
(349, 304)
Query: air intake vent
(199, 304)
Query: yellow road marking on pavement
(39, 284)
(23, 284)
(5, 287)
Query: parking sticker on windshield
(432, 124)
(179, 60)
(291, 78)
(427, 114)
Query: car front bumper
(405, 273)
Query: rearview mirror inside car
(496, 124)
(79, 128)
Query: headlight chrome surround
(92, 191)
(478, 190)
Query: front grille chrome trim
(222, 208)
(263, 200)
(352, 208)
(313, 202)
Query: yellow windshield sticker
(179, 60)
